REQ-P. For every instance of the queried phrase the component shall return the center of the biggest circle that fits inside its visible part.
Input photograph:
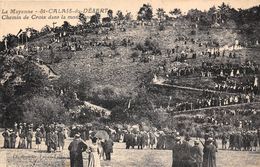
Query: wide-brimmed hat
(77, 135)
(210, 139)
(196, 142)
(178, 138)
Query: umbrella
(102, 135)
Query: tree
(145, 13)
(212, 14)
(95, 19)
(39, 110)
(66, 25)
(194, 14)
(128, 16)
(118, 114)
(82, 18)
(227, 13)
(120, 15)
(161, 14)
(12, 40)
(34, 79)
(110, 13)
(13, 113)
(46, 29)
(175, 12)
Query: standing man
(29, 139)
(127, 138)
(140, 141)
(48, 141)
(38, 138)
(176, 150)
(197, 154)
(6, 136)
(76, 147)
(224, 141)
(108, 148)
(186, 156)
(54, 140)
(209, 156)
(13, 137)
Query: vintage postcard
(138, 83)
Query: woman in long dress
(94, 160)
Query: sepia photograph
(138, 83)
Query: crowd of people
(23, 135)
(184, 154)
(215, 99)
(241, 140)
(233, 86)
(135, 137)
(228, 69)
(99, 149)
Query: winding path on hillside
(215, 107)
(193, 89)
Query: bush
(39, 110)
(108, 96)
(12, 114)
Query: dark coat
(108, 146)
(209, 156)
(61, 138)
(176, 150)
(54, 138)
(196, 152)
(38, 137)
(129, 138)
(140, 139)
(76, 147)
(185, 155)
(29, 136)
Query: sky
(14, 25)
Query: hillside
(112, 66)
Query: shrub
(45, 110)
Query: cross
(53, 24)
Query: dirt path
(215, 107)
(192, 89)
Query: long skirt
(94, 160)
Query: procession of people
(98, 146)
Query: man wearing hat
(38, 138)
(186, 152)
(197, 154)
(6, 135)
(13, 137)
(76, 147)
(176, 149)
(108, 148)
(29, 137)
(209, 156)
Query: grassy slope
(126, 75)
